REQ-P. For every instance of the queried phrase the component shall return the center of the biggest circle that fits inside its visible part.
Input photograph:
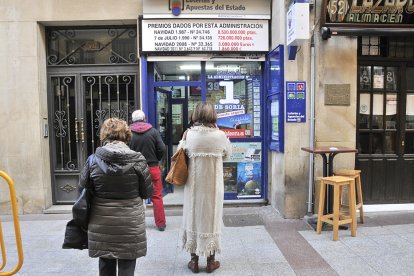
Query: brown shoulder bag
(178, 173)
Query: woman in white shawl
(207, 147)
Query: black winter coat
(147, 140)
(119, 179)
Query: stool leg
(321, 206)
(359, 192)
(352, 207)
(336, 212)
(340, 198)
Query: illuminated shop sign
(369, 13)
(204, 35)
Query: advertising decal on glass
(295, 102)
(248, 180)
(274, 114)
(230, 177)
(365, 77)
(242, 173)
(236, 98)
(391, 82)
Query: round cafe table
(328, 153)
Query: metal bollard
(16, 230)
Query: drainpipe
(312, 123)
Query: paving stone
(352, 266)
(279, 247)
(264, 269)
(368, 231)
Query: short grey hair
(138, 116)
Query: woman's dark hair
(204, 113)
(114, 129)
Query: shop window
(364, 111)
(409, 113)
(91, 46)
(389, 142)
(365, 77)
(376, 143)
(409, 143)
(235, 90)
(377, 116)
(409, 78)
(177, 71)
(363, 146)
(377, 113)
(372, 46)
(391, 47)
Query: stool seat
(345, 172)
(337, 218)
(356, 174)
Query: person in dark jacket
(119, 180)
(147, 140)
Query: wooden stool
(337, 218)
(356, 175)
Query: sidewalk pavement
(256, 241)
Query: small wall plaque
(337, 94)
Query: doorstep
(171, 205)
(58, 209)
(368, 208)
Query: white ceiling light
(195, 67)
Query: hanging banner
(371, 14)
(205, 35)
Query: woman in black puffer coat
(119, 179)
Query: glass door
(235, 88)
(179, 118)
(163, 124)
(385, 132)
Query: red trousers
(157, 202)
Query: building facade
(68, 65)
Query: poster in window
(230, 177)
(378, 81)
(243, 152)
(249, 180)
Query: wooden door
(385, 131)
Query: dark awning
(327, 32)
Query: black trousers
(107, 267)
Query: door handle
(82, 132)
(76, 130)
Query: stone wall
(24, 153)
(335, 63)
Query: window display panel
(409, 112)
(235, 90)
(365, 77)
(378, 111)
(242, 172)
(378, 79)
(391, 111)
(364, 111)
(391, 78)
(274, 114)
